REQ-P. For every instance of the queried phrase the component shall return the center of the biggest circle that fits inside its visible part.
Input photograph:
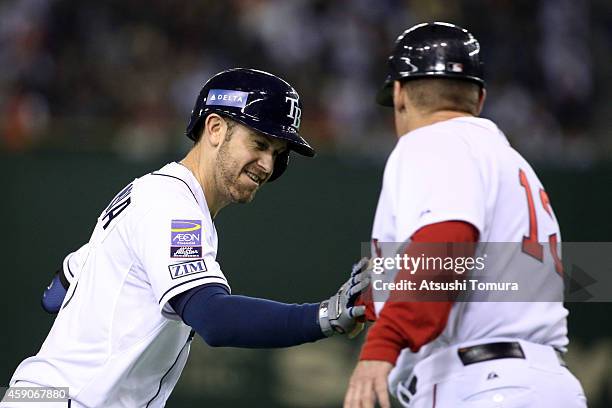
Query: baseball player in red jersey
(454, 178)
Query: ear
(481, 99)
(399, 101)
(214, 129)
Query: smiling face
(244, 162)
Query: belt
(473, 355)
(495, 351)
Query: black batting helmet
(259, 100)
(431, 50)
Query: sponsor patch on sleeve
(186, 239)
(186, 268)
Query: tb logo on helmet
(295, 112)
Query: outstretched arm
(225, 320)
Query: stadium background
(93, 94)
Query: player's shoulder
(171, 186)
(451, 137)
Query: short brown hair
(435, 94)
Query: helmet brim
(295, 142)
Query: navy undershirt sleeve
(225, 320)
(54, 295)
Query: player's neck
(194, 163)
(419, 120)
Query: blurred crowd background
(123, 75)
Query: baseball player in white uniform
(454, 178)
(148, 278)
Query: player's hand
(368, 384)
(339, 314)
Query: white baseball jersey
(464, 169)
(116, 341)
(73, 263)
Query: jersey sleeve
(405, 323)
(175, 249)
(73, 262)
(437, 182)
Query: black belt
(480, 353)
(495, 351)
(490, 351)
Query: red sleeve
(412, 324)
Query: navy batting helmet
(259, 100)
(432, 50)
